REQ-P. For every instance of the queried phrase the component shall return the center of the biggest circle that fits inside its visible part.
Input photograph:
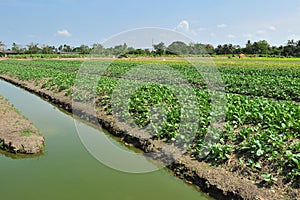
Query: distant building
(69, 53)
(6, 53)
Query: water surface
(67, 171)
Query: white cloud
(272, 28)
(184, 25)
(222, 26)
(193, 32)
(294, 37)
(231, 36)
(64, 32)
(248, 35)
(260, 32)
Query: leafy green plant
(269, 178)
(262, 100)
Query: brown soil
(18, 134)
(215, 181)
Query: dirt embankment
(215, 181)
(18, 134)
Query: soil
(18, 134)
(214, 180)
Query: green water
(67, 171)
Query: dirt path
(18, 134)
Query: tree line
(258, 48)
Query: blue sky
(78, 22)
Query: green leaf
(257, 165)
(259, 152)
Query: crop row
(277, 83)
(257, 131)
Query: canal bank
(17, 133)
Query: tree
(46, 49)
(132, 50)
(84, 49)
(2, 46)
(120, 49)
(159, 48)
(276, 51)
(66, 48)
(15, 47)
(33, 48)
(292, 48)
(297, 49)
(248, 49)
(60, 47)
(178, 48)
(237, 49)
(219, 49)
(225, 49)
(108, 51)
(98, 49)
(261, 47)
(209, 49)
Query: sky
(76, 22)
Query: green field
(260, 138)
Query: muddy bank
(18, 134)
(216, 181)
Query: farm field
(259, 139)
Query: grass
(26, 132)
